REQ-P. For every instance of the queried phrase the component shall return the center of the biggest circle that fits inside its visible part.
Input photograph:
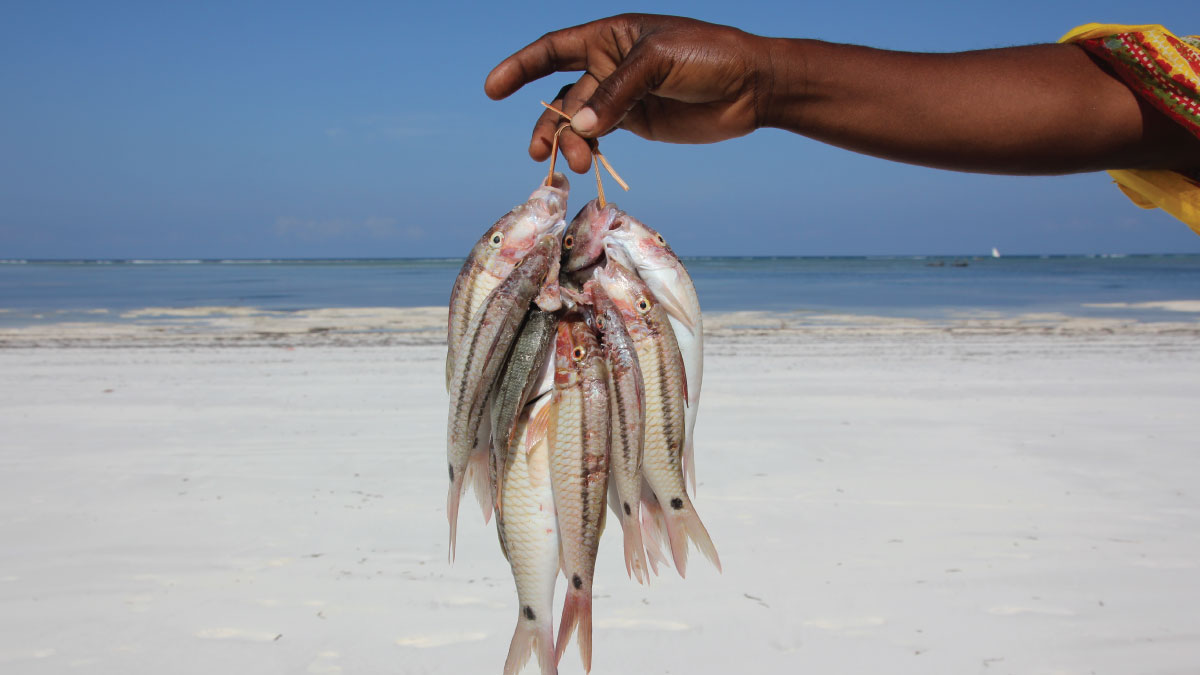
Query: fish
(529, 532)
(584, 238)
(670, 283)
(579, 450)
(665, 389)
(627, 408)
(487, 341)
(590, 231)
(522, 380)
(493, 257)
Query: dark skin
(1035, 110)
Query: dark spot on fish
(529, 613)
(451, 472)
(628, 511)
(677, 503)
(576, 581)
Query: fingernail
(584, 121)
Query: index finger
(561, 50)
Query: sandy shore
(256, 493)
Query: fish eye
(568, 241)
(497, 237)
(577, 354)
(643, 305)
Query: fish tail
(577, 617)
(478, 475)
(653, 534)
(635, 550)
(528, 638)
(452, 499)
(684, 525)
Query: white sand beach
(230, 491)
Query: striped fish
(518, 384)
(627, 408)
(665, 389)
(671, 285)
(493, 257)
(529, 534)
(486, 345)
(579, 448)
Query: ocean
(921, 287)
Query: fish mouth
(551, 198)
(559, 182)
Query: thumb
(638, 75)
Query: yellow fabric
(1095, 30)
(1168, 190)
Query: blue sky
(142, 130)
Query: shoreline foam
(231, 326)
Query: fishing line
(594, 145)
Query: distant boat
(995, 252)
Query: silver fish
(596, 227)
(627, 406)
(579, 449)
(665, 393)
(493, 257)
(672, 286)
(584, 239)
(486, 346)
(523, 373)
(529, 532)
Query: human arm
(1041, 109)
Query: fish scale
(627, 408)
(661, 456)
(665, 422)
(490, 336)
(493, 258)
(528, 531)
(579, 449)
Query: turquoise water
(920, 287)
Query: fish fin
(477, 475)
(453, 496)
(529, 638)
(684, 525)
(674, 307)
(577, 617)
(653, 531)
(635, 552)
(631, 528)
(539, 425)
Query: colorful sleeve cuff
(1165, 71)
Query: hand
(664, 78)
